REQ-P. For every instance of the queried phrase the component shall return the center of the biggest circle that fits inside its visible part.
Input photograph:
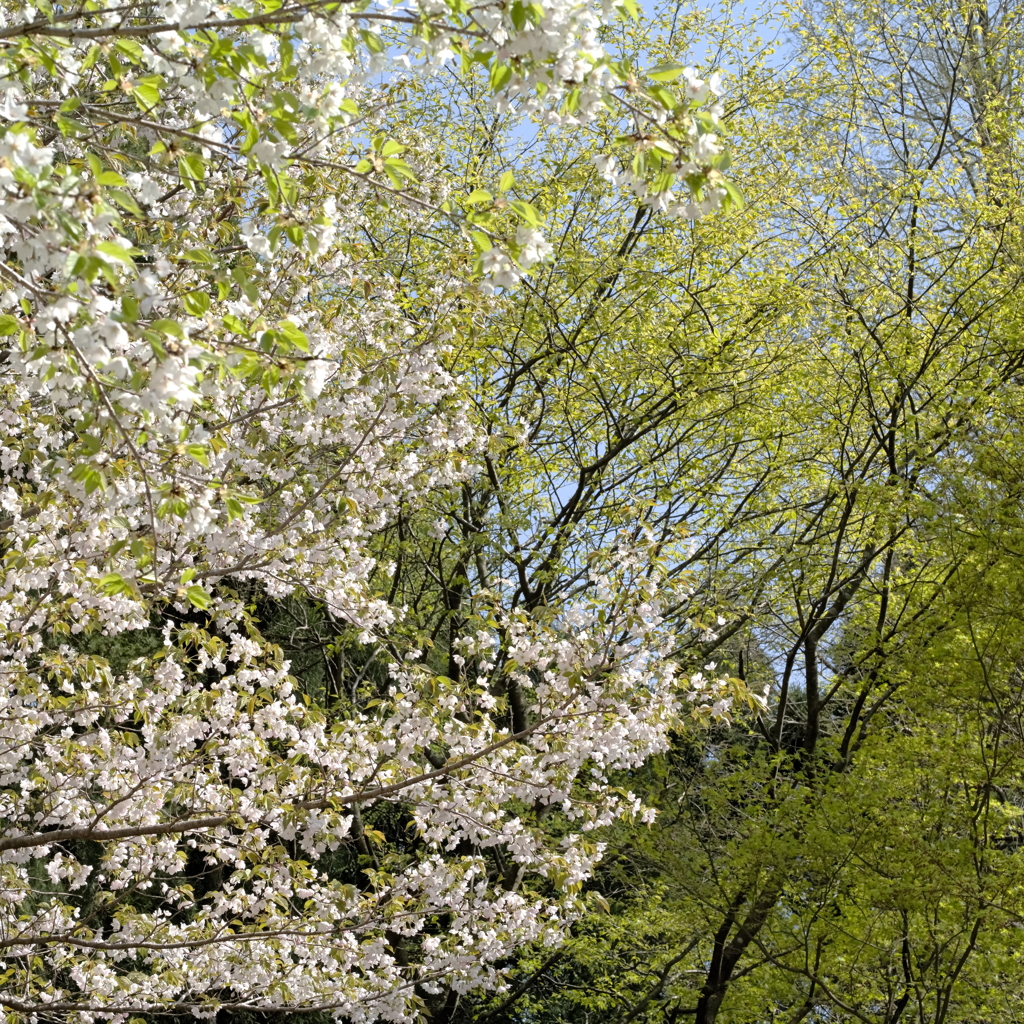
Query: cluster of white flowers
(689, 160)
(204, 389)
(677, 145)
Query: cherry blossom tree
(207, 390)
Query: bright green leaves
(234, 509)
(501, 75)
(665, 72)
(69, 127)
(92, 265)
(196, 303)
(146, 92)
(125, 201)
(665, 97)
(192, 169)
(285, 337)
(116, 252)
(102, 175)
(115, 585)
(199, 453)
(398, 171)
(673, 138)
(490, 219)
(198, 597)
(481, 243)
(386, 158)
(202, 256)
(528, 213)
(734, 199)
(89, 476)
(523, 14)
(243, 279)
(91, 443)
(372, 41)
(171, 328)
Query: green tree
(823, 393)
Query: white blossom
(208, 392)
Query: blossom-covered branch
(210, 396)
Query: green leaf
(734, 198)
(528, 212)
(172, 507)
(125, 201)
(397, 169)
(191, 167)
(199, 256)
(508, 179)
(198, 452)
(233, 324)
(90, 477)
(707, 122)
(287, 330)
(501, 75)
(146, 95)
(372, 41)
(91, 443)
(479, 195)
(70, 127)
(665, 72)
(169, 327)
(241, 278)
(196, 303)
(8, 325)
(115, 252)
(114, 583)
(131, 49)
(199, 598)
(663, 96)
